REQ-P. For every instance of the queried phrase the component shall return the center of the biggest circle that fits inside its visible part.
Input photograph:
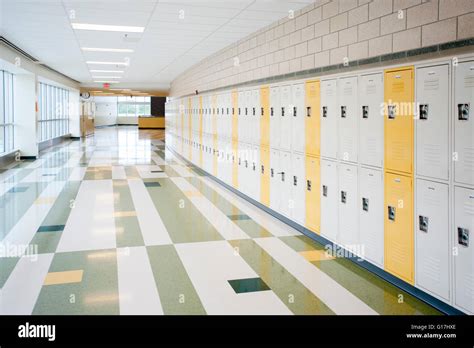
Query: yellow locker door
(265, 116)
(399, 111)
(190, 123)
(399, 234)
(313, 123)
(214, 133)
(200, 131)
(313, 194)
(265, 175)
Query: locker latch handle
(253, 166)
(263, 169)
(253, 111)
(233, 111)
(246, 112)
(239, 111)
(325, 191)
(261, 111)
(282, 176)
(391, 112)
(365, 204)
(423, 111)
(239, 161)
(283, 111)
(271, 111)
(463, 236)
(271, 172)
(294, 111)
(343, 197)
(308, 185)
(463, 112)
(308, 111)
(365, 111)
(325, 111)
(246, 164)
(423, 223)
(295, 181)
(343, 111)
(391, 213)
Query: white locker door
(464, 123)
(275, 112)
(432, 237)
(220, 117)
(298, 118)
(228, 116)
(464, 245)
(371, 120)
(242, 134)
(285, 113)
(241, 167)
(432, 123)
(255, 115)
(348, 132)
(329, 200)
(275, 191)
(255, 173)
(329, 116)
(298, 189)
(285, 176)
(348, 234)
(228, 163)
(371, 222)
(221, 165)
(247, 112)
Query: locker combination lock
(423, 223)
(391, 112)
(295, 181)
(423, 111)
(463, 236)
(391, 213)
(365, 204)
(308, 185)
(325, 111)
(463, 112)
(308, 111)
(343, 112)
(365, 111)
(343, 197)
(325, 191)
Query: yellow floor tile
(125, 213)
(192, 193)
(66, 277)
(316, 255)
(45, 200)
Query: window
(6, 112)
(53, 112)
(133, 106)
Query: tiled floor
(116, 224)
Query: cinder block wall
(325, 33)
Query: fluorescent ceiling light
(106, 81)
(106, 77)
(122, 28)
(108, 71)
(107, 63)
(91, 49)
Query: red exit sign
(106, 85)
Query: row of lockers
(355, 181)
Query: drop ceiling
(177, 34)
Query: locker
(235, 164)
(275, 116)
(464, 260)
(313, 194)
(464, 123)
(348, 132)
(220, 116)
(241, 162)
(297, 118)
(264, 116)
(432, 121)
(215, 141)
(399, 101)
(371, 123)
(234, 116)
(284, 175)
(275, 186)
(348, 234)
(265, 175)
(398, 226)
(254, 112)
(189, 137)
(312, 118)
(432, 237)
(371, 214)
(285, 112)
(329, 119)
(298, 189)
(239, 112)
(200, 138)
(221, 167)
(329, 200)
(255, 173)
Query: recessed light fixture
(107, 63)
(101, 27)
(106, 77)
(106, 81)
(108, 71)
(118, 50)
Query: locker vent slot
(431, 154)
(398, 151)
(431, 267)
(469, 209)
(398, 87)
(371, 89)
(371, 146)
(399, 253)
(469, 81)
(431, 85)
